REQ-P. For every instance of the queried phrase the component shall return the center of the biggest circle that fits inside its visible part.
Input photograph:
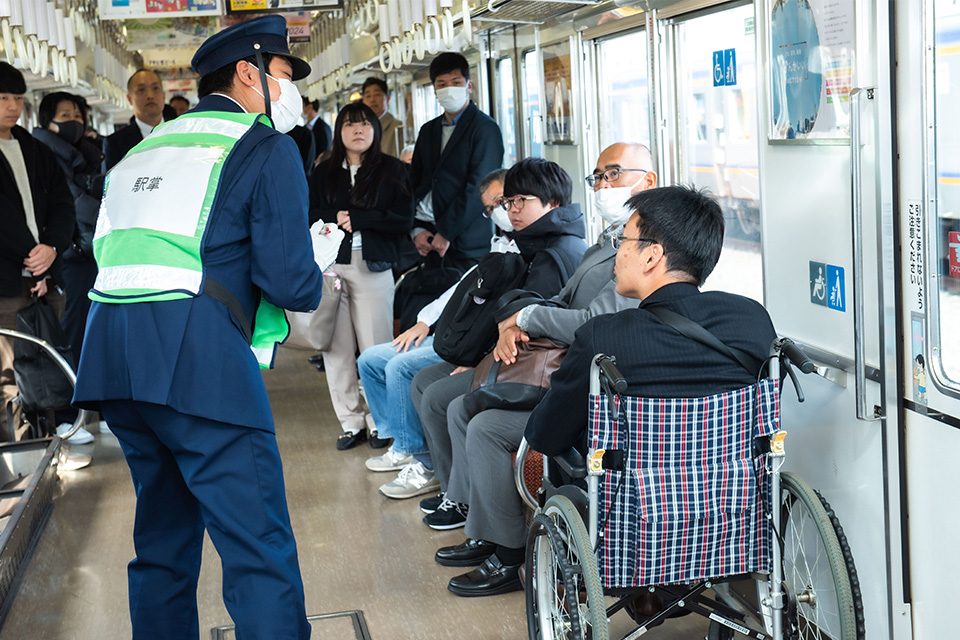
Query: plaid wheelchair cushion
(688, 508)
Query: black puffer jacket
(79, 173)
(560, 231)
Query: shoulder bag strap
(695, 331)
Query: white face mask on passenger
(612, 204)
(452, 99)
(501, 219)
(286, 111)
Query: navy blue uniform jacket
(191, 355)
(453, 176)
(656, 360)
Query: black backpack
(466, 330)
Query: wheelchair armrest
(572, 463)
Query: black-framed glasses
(515, 201)
(618, 240)
(488, 209)
(610, 175)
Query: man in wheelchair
(668, 248)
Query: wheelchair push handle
(609, 371)
(796, 356)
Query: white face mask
(612, 204)
(286, 111)
(501, 219)
(452, 99)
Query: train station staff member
(203, 226)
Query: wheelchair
(671, 524)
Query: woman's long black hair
(372, 168)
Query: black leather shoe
(315, 359)
(376, 442)
(489, 579)
(468, 553)
(349, 440)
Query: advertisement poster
(813, 51)
(262, 6)
(150, 9)
(170, 33)
(557, 83)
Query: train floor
(358, 550)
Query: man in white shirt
(145, 95)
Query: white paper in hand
(326, 243)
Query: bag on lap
(419, 287)
(466, 330)
(519, 386)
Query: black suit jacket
(453, 176)
(322, 137)
(304, 139)
(383, 225)
(656, 360)
(117, 144)
(52, 207)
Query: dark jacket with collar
(52, 207)
(453, 177)
(656, 360)
(117, 144)
(78, 175)
(553, 247)
(383, 226)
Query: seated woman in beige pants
(369, 196)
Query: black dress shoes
(349, 440)
(376, 442)
(316, 359)
(489, 579)
(468, 553)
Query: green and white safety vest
(155, 208)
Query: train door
(712, 109)
(825, 179)
(928, 92)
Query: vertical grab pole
(856, 97)
(776, 572)
(593, 480)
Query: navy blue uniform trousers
(192, 474)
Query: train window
(531, 103)
(425, 105)
(506, 117)
(718, 140)
(946, 246)
(623, 106)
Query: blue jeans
(386, 377)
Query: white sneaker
(82, 436)
(390, 461)
(414, 480)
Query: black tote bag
(41, 383)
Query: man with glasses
(494, 520)
(668, 248)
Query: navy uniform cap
(237, 42)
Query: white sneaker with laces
(390, 461)
(414, 480)
(82, 436)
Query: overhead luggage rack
(529, 11)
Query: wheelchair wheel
(564, 595)
(820, 602)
